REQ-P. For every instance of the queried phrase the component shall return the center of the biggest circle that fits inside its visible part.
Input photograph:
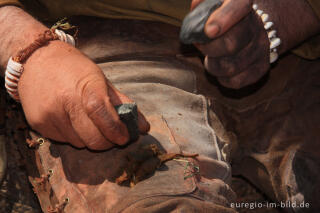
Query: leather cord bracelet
(15, 64)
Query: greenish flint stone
(192, 29)
(128, 114)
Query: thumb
(225, 17)
(117, 98)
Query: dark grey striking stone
(128, 114)
(192, 29)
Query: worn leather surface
(146, 68)
(274, 131)
(278, 135)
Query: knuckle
(228, 66)
(66, 99)
(88, 84)
(94, 106)
(73, 111)
(84, 86)
(231, 44)
(113, 125)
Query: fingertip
(115, 130)
(123, 136)
(212, 30)
(143, 124)
(122, 130)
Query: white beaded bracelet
(14, 69)
(272, 34)
(65, 37)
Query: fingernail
(212, 30)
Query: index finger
(100, 110)
(117, 98)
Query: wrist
(15, 66)
(294, 21)
(48, 54)
(16, 34)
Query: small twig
(63, 24)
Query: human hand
(239, 54)
(66, 97)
